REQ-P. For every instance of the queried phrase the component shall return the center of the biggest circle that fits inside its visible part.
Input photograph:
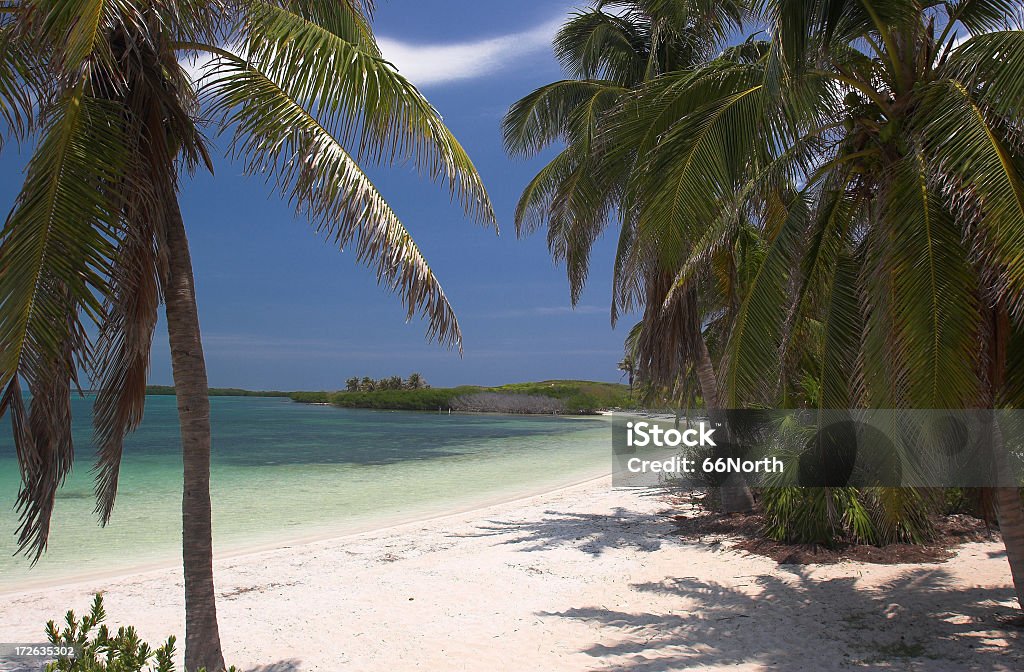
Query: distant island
(548, 397)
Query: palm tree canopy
(870, 152)
(99, 87)
(610, 52)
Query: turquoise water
(283, 471)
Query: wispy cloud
(427, 64)
(440, 63)
(551, 311)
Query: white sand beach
(582, 578)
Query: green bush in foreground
(103, 652)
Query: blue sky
(281, 309)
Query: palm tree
(900, 124)
(627, 367)
(610, 51)
(415, 381)
(352, 384)
(367, 384)
(96, 241)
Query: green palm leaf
(15, 93)
(755, 342)
(934, 305)
(994, 63)
(55, 252)
(967, 141)
(566, 110)
(276, 136)
(599, 45)
(361, 100)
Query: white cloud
(196, 65)
(425, 64)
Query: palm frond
(566, 110)
(841, 329)
(806, 29)
(934, 305)
(535, 203)
(277, 137)
(993, 65)
(15, 92)
(55, 251)
(347, 19)
(699, 163)
(75, 31)
(983, 175)
(985, 16)
(361, 100)
(122, 355)
(755, 342)
(597, 45)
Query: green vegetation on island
(415, 381)
(572, 397)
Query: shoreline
(395, 522)
(580, 577)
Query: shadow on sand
(591, 533)
(782, 618)
(286, 665)
(919, 621)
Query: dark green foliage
(829, 516)
(576, 397)
(103, 652)
(402, 400)
(415, 381)
(311, 397)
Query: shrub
(103, 652)
(828, 516)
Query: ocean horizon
(284, 471)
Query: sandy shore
(583, 578)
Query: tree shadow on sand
(286, 665)
(920, 620)
(588, 532)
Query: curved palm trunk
(202, 637)
(735, 493)
(1011, 526)
(1009, 511)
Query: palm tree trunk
(706, 376)
(734, 491)
(1010, 515)
(202, 637)
(1009, 511)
